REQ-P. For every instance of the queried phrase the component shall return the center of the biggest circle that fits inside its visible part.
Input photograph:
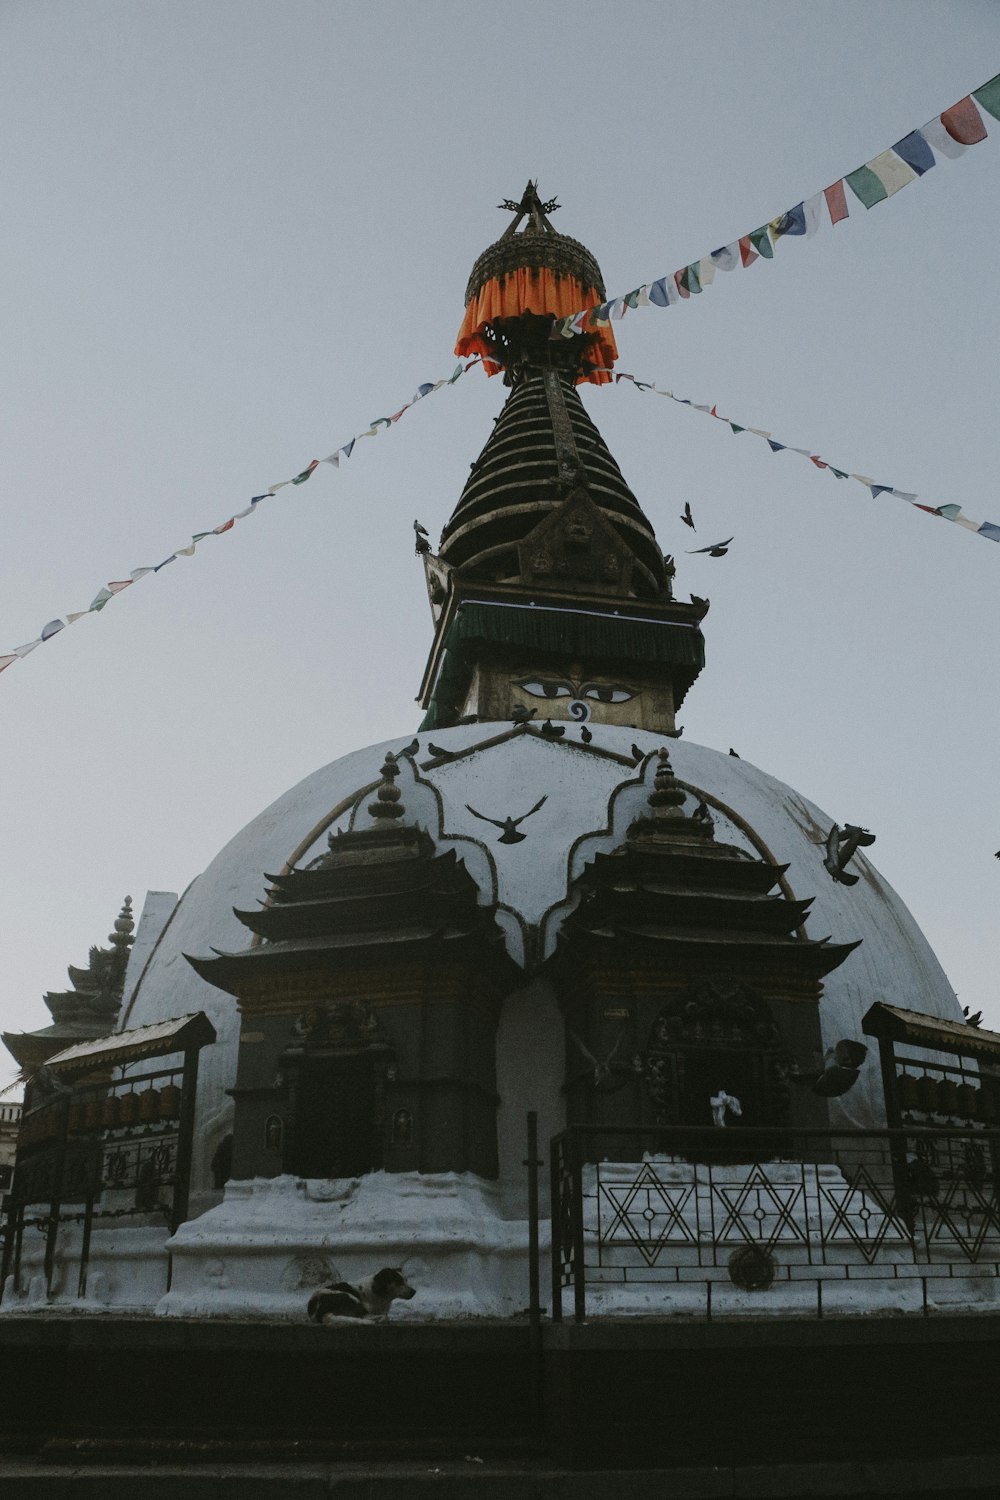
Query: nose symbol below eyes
(579, 711)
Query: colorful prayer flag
(914, 150)
(988, 98)
(727, 258)
(866, 186)
(747, 253)
(964, 123)
(760, 239)
(891, 171)
(836, 201)
(935, 134)
(51, 629)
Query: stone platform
(833, 1400)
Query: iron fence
(680, 1219)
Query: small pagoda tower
(88, 1009)
(369, 999)
(684, 972)
(549, 593)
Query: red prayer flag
(680, 277)
(226, 526)
(818, 462)
(836, 201)
(747, 253)
(964, 123)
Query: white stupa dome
(591, 795)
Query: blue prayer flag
(914, 150)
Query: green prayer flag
(693, 279)
(760, 239)
(866, 186)
(101, 599)
(737, 429)
(840, 473)
(989, 96)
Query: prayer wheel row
(112, 1112)
(943, 1096)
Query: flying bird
(717, 549)
(997, 854)
(508, 826)
(852, 839)
(602, 1070)
(687, 517)
(841, 846)
(420, 537)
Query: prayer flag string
(987, 529)
(108, 592)
(949, 134)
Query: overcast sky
(235, 232)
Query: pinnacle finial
(530, 202)
(388, 804)
(124, 926)
(666, 792)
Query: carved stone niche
(716, 1035)
(574, 546)
(336, 1068)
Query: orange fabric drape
(537, 292)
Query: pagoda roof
(374, 889)
(673, 888)
(544, 446)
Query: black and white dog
(369, 1299)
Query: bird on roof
(733, 753)
(585, 734)
(420, 537)
(687, 517)
(508, 826)
(637, 754)
(553, 731)
(410, 749)
(699, 601)
(717, 549)
(437, 751)
(974, 1020)
(521, 715)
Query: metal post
(55, 1203)
(88, 1221)
(185, 1140)
(534, 1299)
(579, 1268)
(557, 1156)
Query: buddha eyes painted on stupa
(541, 687)
(584, 696)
